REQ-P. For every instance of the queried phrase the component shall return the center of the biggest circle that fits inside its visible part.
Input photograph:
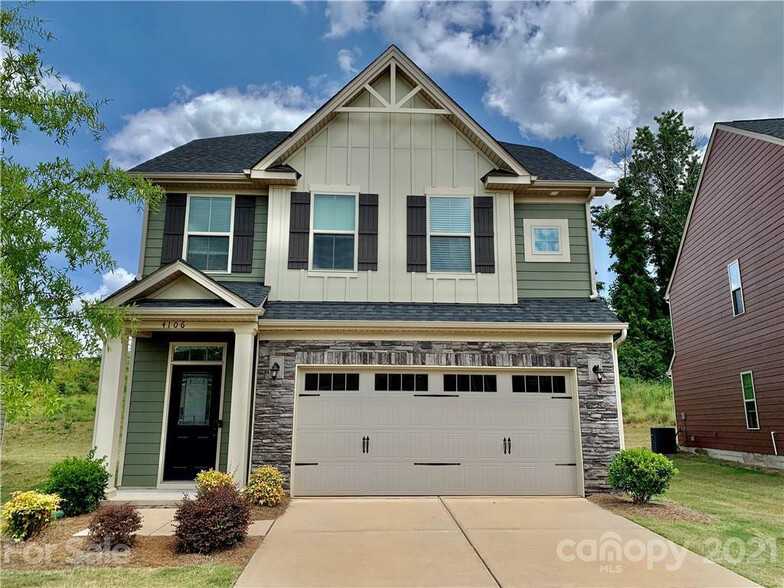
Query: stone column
(241, 395)
(108, 410)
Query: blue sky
(561, 76)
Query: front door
(192, 433)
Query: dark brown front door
(192, 433)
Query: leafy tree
(50, 220)
(643, 230)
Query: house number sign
(173, 324)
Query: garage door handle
(504, 445)
(365, 444)
(509, 445)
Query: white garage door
(435, 432)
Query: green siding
(554, 280)
(145, 415)
(154, 243)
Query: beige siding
(392, 155)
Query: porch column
(108, 411)
(241, 394)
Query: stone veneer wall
(274, 406)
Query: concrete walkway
(470, 542)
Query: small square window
(518, 383)
(450, 383)
(491, 385)
(381, 382)
(311, 381)
(352, 382)
(421, 383)
(463, 383)
(546, 384)
(395, 382)
(559, 384)
(408, 382)
(339, 381)
(547, 240)
(532, 383)
(325, 381)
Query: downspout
(594, 291)
(616, 373)
(773, 439)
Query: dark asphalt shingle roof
(235, 153)
(253, 292)
(220, 155)
(764, 126)
(527, 310)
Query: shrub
(215, 520)
(265, 486)
(641, 473)
(115, 524)
(209, 480)
(27, 513)
(80, 482)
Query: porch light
(598, 372)
(274, 370)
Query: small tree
(50, 221)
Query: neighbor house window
(334, 231)
(208, 232)
(736, 288)
(749, 400)
(546, 240)
(450, 226)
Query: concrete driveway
(470, 542)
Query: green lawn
(748, 505)
(191, 576)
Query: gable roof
(235, 153)
(773, 127)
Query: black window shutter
(416, 227)
(244, 219)
(173, 228)
(484, 248)
(367, 257)
(299, 230)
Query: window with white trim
(334, 234)
(546, 240)
(208, 232)
(736, 288)
(450, 228)
(749, 400)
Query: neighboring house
(726, 299)
(386, 300)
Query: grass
(745, 503)
(647, 403)
(31, 447)
(191, 576)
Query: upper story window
(208, 232)
(736, 288)
(334, 232)
(749, 400)
(546, 240)
(450, 234)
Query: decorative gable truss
(394, 84)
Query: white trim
(327, 191)
(589, 224)
(166, 271)
(187, 233)
(143, 244)
(170, 363)
(435, 273)
(736, 262)
(752, 134)
(561, 225)
(745, 402)
(126, 414)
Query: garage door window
(544, 384)
(401, 382)
(469, 383)
(332, 382)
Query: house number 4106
(173, 324)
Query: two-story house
(726, 299)
(385, 300)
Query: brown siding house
(726, 299)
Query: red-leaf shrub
(115, 524)
(215, 520)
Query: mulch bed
(621, 504)
(57, 548)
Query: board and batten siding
(570, 279)
(154, 241)
(738, 214)
(145, 413)
(393, 155)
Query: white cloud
(63, 83)
(227, 111)
(110, 282)
(346, 60)
(346, 16)
(582, 69)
